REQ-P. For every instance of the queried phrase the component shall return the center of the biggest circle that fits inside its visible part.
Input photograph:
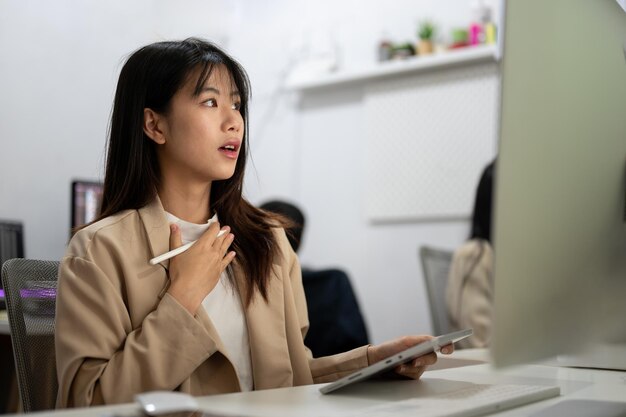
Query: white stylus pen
(181, 249)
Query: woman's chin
(223, 176)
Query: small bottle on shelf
(481, 15)
(385, 48)
(489, 27)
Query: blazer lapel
(269, 352)
(157, 229)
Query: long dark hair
(481, 218)
(149, 79)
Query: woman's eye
(236, 106)
(210, 102)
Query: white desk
(308, 402)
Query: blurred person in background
(469, 293)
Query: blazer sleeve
(478, 300)
(327, 368)
(100, 358)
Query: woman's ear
(152, 126)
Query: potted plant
(426, 34)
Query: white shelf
(386, 69)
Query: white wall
(311, 148)
(59, 62)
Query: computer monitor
(86, 198)
(560, 215)
(11, 246)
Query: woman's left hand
(417, 366)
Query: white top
(224, 307)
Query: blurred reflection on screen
(86, 199)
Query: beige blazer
(119, 333)
(469, 293)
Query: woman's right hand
(195, 272)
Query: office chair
(436, 265)
(30, 287)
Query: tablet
(391, 362)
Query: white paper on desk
(622, 3)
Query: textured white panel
(428, 137)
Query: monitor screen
(11, 246)
(560, 226)
(85, 202)
(11, 240)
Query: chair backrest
(30, 291)
(436, 266)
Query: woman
(228, 314)
(469, 293)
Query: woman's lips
(229, 153)
(230, 149)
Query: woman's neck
(189, 202)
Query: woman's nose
(233, 121)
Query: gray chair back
(436, 266)
(30, 291)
